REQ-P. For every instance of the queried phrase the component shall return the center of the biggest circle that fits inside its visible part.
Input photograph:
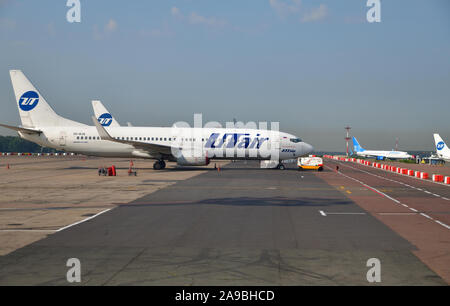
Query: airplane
(360, 151)
(442, 150)
(184, 145)
(103, 115)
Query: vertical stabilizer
(103, 115)
(442, 149)
(356, 146)
(34, 110)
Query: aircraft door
(62, 138)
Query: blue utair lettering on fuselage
(440, 145)
(288, 151)
(28, 101)
(105, 119)
(239, 140)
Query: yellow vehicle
(311, 162)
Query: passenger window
(165, 138)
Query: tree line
(18, 145)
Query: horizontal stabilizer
(21, 129)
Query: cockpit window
(296, 140)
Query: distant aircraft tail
(356, 146)
(103, 115)
(441, 146)
(34, 111)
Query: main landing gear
(159, 165)
(281, 166)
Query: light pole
(347, 139)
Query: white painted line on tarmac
(84, 220)
(426, 216)
(27, 230)
(387, 179)
(322, 213)
(344, 213)
(383, 194)
(443, 224)
(397, 214)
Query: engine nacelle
(192, 161)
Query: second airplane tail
(103, 115)
(356, 146)
(441, 146)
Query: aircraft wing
(21, 129)
(149, 147)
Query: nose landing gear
(159, 165)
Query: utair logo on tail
(440, 145)
(28, 101)
(105, 119)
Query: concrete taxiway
(240, 226)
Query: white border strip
(84, 220)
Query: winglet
(104, 135)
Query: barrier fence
(438, 178)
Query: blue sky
(314, 66)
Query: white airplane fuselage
(385, 154)
(216, 143)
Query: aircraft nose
(307, 148)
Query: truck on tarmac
(311, 162)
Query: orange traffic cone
(7, 166)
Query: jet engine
(191, 158)
(192, 161)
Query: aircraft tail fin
(356, 146)
(34, 110)
(441, 146)
(103, 115)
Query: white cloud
(285, 8)
(316, 14)
(197, 19)
(163, 31)
(108, 29)
(194, 18)
(175, 11)
(111, 26)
